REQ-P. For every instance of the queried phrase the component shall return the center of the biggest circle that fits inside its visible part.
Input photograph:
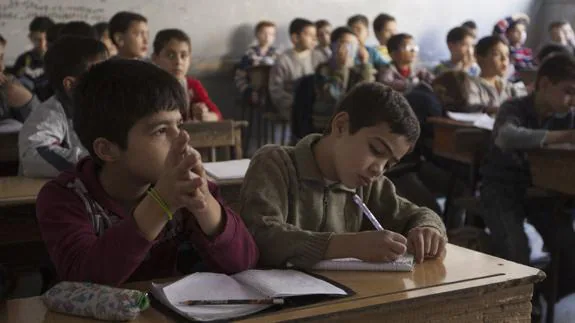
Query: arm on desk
(511, 137)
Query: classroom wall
(549, 11)
(221, 29)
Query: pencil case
(96, 301)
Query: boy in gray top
(543, 118)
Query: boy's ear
(340, 124)
(119, 39)
(106, 150)
(68, 83)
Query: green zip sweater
(292, 212)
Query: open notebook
(404, 263)
(250, 284)
(227, 170)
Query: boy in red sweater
(127, 210)
(172, 52)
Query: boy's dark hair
(339, 32)
(114, 95)
(40, 24)
(370, 103)
(121, 22)
(321, 24)
(557, 24)
(469, 24)
(263, 24)
(381, 20)
(79, 29)
(515, 24)
(551, 49)
(394, 43)
(164, 36)
(486, 44)
(458, 34)
(101, 28)
(70, 56)
(54, 32)
(358, 18)
(557, 68)
(298, 25)
(2, 41)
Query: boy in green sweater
(297, 201)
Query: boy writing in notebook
(127, 210)
(543, 118)
(47, 142)
(173, 53)
(298, 201)
(129, 33)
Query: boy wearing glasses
(400, 74)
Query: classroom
(266, 161)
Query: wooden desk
(19, 190)
(553, 168)
(466, 287)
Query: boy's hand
(198, 111)
(425, 242)
(379, 246)
(363, 54)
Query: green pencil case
(96, 301)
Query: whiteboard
(224, 28)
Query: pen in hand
(365, 210)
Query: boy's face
(387, 32)
(462, 50)
(496, 62)
(2, 49)
(307, 39)
(323, 36)
(517, 35)
(407, 52)
(266, 36)
(175, 58)
(39, 42)
(361, 31)
(149, 140)
(559, 96)
(363, 157)
(350, 45)
(558, 35)
(134, 42)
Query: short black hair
(515, 23)
(358, 18)
(114, 95)
(78, 28)
(370, 103)
(486, 44)
(54, 32)
(458, 34)
(339, 32)
(557, 68)
(70, 56)
(121, 22)
(321, 23)
(557, 24)
(40, 24)
(263, 24)
(101, 29)
(394, 43)
(469, 24)
(381, 20)
(164, 36)
(552, 49)
(2, 40)
(298, 25)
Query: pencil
(273, 301)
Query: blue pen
(367, 212)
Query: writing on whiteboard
(26, 10)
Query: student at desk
(530, 122)
(127, 211)
(297, 201)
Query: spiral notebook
(404, 263)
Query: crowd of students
(103, 120)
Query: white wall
(223, 28)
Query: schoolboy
(514, 30)
(292, 65)
(384, 27)
(360, 26)
(400, 74)
(460, 42)
(297, 201)
(47, 142)
(129, 33)
(127, 210)
(264, 53)
(471, 26)
(173, 53)
(31, 63)
(540, 119)
(322, 52)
